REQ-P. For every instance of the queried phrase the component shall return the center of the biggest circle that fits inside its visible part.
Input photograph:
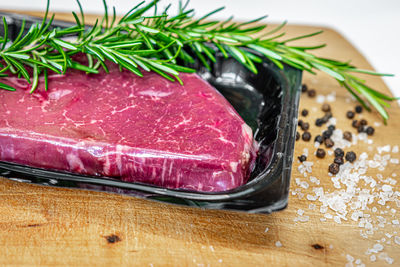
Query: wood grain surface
(51, 226)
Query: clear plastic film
(122, 126)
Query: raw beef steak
(135, 129)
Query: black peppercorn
(339, 152)
(355, 124)
(347, 136)
(311, 93)
(319, 139)
(351, 156)
(319, 122)
(326, 107)
(360, 128)
(370, 130)
(329, 143)
(363, 122)
(304, 88)
(326, 117)
(358, 109)
(306, 136)
(320, 153)
(350, 114)
(297, 136)
(334, 168)
(302, 158)
(305, 126)
(327, 134)
(331, 128)
(338, 160)
(304, 112)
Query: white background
(372, 26)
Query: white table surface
(372, 26)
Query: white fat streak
(74, 162)
(122, 110)
(106, 167)
(119, 149)
(58, 94)
(8, 150)
(234, 166)
(183, 122)
(179, 176)
(170, 168)
(163, 170)
(221, 135)
(155, 94)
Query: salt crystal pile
(361, 194)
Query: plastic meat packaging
(155, 139)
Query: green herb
(158, 43)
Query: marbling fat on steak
(118, 125)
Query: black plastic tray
(268, 102)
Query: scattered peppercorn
(300, 122)
(331, 128)
(358, 109)
(329, 143)
(360, 128)
(351, 156)
(347, 136)
(304, 88)
(370, 130)
(305, 126)
(326, 117)
(311, 93)
(297, 136)
(304, 112)
(350, 114)
(319, 139)
(306, 136)
(302, 158)
(339, 160)
(326, 107)
(363, 122)
(355, 123)
(319, 122)
(320, 153)
(334, 168)
(327, 134)
(339, 152)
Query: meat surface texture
(125, 127)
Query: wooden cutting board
(50, 226)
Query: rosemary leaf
(166, 44)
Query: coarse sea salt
(331, 97)
(320, 99)
(278, 244)
(394, 161)
(300, 212)
(357, 191)
(372, 258)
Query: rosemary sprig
(160, 42)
